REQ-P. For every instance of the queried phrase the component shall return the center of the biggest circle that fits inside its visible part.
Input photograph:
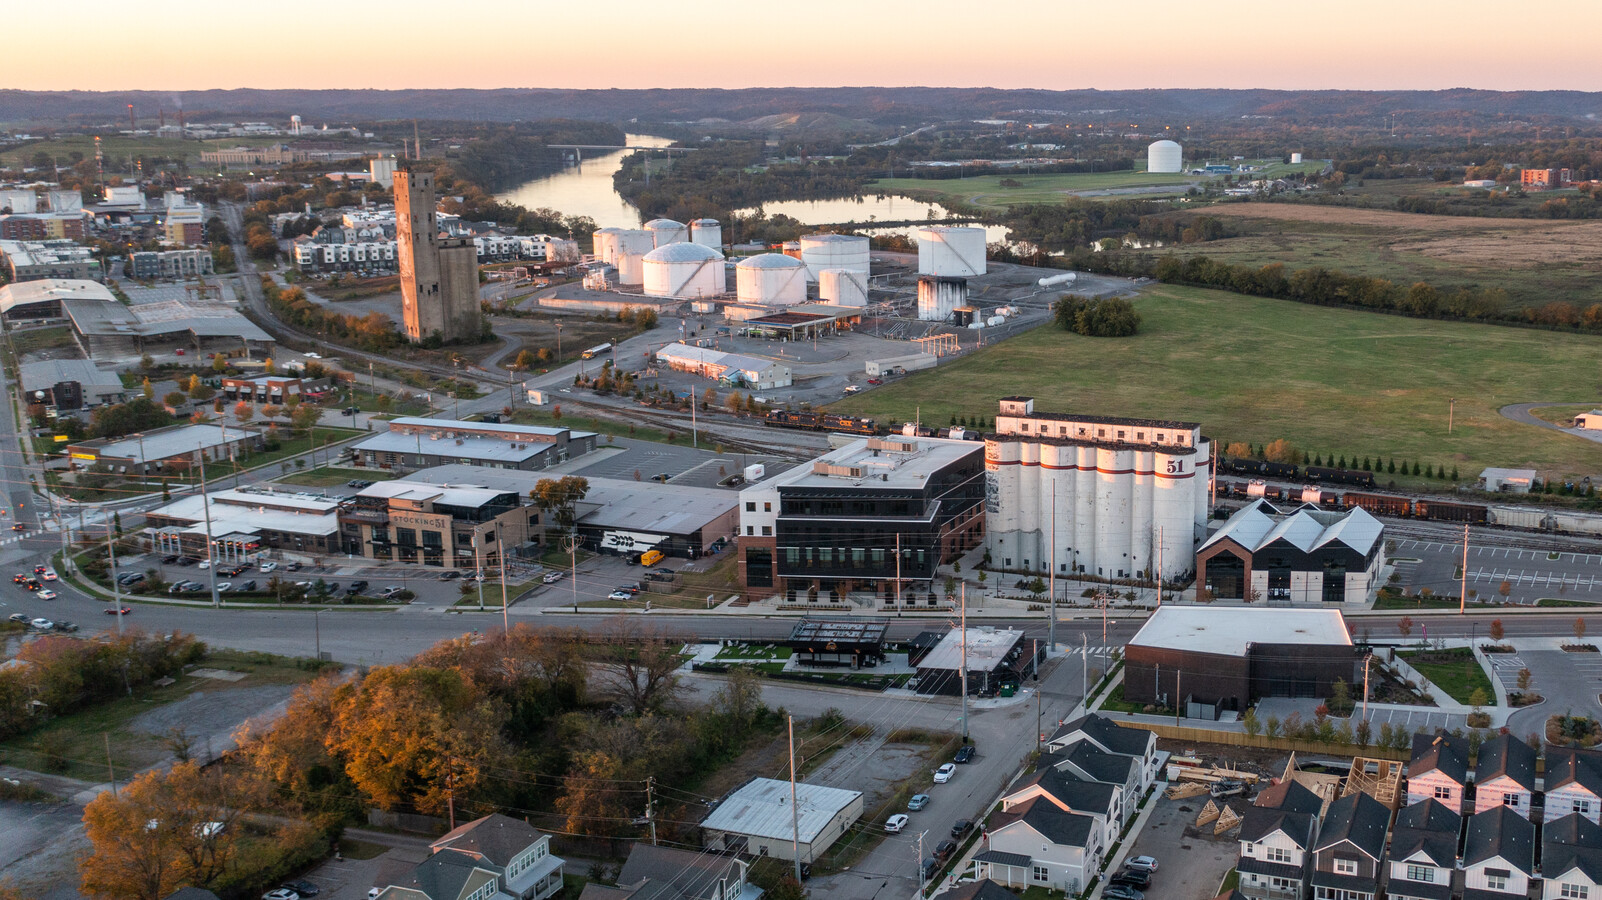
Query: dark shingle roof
(1095, 762)
(1073, 792)
(1572, 841)
(980, 890)
(1568, 765)
(1108, 734)
(1429, 815)
(1506, 755)
(1254, 866)
(1500, 832)
(1397, 889)
(1287, 807)
(1428, 827)
(1002, 858)
(666, 872)
(1572, 829)
(1440, 751)
(1055, 825)
(191, 893)
(1359, 819)
(495, 837)
(1289, 796)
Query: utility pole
(694, 438)
(1159, 566)
(1366, 660)
(572, 555)
(1179, 696)
(111, 772)
(506, 623)
(795, 812)
(963, 624)
(650, 806)
(1451, 410)
(478, 570)
(1462, 595)
(898, 568)
(1051, 627)
(116, 586)
(1084, 666)
(211, 562)
(920, 862)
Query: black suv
(1135, 878)
(962, 827)
(944, 849)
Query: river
(588, 190)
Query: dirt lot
(207, 713)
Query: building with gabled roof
(1438, 769)
(1108, 736)
(494, 857)
(1571, 858)
(1300, 555)
(1498, 855)
(1276, 842)
(1349, 855)
(667, 873)
(1504, 775)
(1037, 842)
(1573, 783)
(1423, 851)
(757, 819)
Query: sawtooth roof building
(1305, 555)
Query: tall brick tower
(438, 276)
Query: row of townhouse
(1504, 775)
(1291, 848)
(311, 256)
(1056, 824)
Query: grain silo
(1165, 156)
(834, 251)
(605, 244)
(770, 279)
(707, 233)
(939, 297)
(950, 251)
(843, 287)
(667, 231)
(684, 270)
(629, 248)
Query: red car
(118, 610)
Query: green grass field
(1454, 671)
(1250, 369)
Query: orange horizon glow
(1158, 44)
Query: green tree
(1364, 733)
(559, 496)
(175, 398)
(1253, 726)
(148, 389)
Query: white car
(280, 894)
(205, 564)
(896, 822)
(49, 575)
(46, 595)
(268, 565)
(312, 355)
(620, 595)
(852, 388)
(944, 773)
(43, 624)
(224, 586)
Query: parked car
(280, 894)
(1141, 863)
(129, 579)
(1135, 878)
(633, 587)
(944, 849)
(552, 577)
(852, 388)
(169, 559)
(620, 595)
(47, 595)
(388, 592)
(194, 587)
(303, 888)
(224, 586)
(292, 567)
(43, 624)
(918, 801)
(248, 585)
(49, 574)
(962, 827)
(18, 617)
(449, 575)
(187, 561)
(930, 867)
(357, 586)
(1121, 892)
(964, 754)
(205, 564)
(944, 773)
(896, 822)
(268, 565)
(66, 626)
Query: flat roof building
(1122, 496)
(33, 260)
(758, 820)
(1214, 659)
(41, 299)
(417, 443)
(108, 328)
(174, 448)
(995, 657)
(874, 518)
(243, 522)
(1304, 555)
(437, 524)
(838, 642)
(68, 384)
(1511, 481)
(732, 369)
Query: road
(1523, 413)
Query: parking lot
(1192, 862)
(1528, 575)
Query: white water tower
(1166, 157)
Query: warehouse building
(32, 301)
(1307, 555)
(457, 525)
(69, 384)
(733, 369)
(62, 258)
(173, 449)
(1212, 660)
(843, 641)
(105, 327)
(998, 659)
(1124, 497)
(1509, 481)
(416, 443)
(871, 520)
(242, 522)
(759, 820)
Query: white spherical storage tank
(951, 251)
(684, 270)
(834, 251)
(606, 244)
(667, 231)
(1165, 156)
(843, 287)
(770, 279)
(707, 233)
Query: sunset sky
(1368, 45)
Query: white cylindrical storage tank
(605, 240)
(684, 270)
(1114, 469)
(667, 231)
(950, 250)
(1143, 556)
(707, 233)
(770, 279)
(834, 251)
(1084, 518)
(1172, 510)
(843, 287)
(1064, 278)
(939, 297)
(1296, 159)
(1165, 156)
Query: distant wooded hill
(885, 106)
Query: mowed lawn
(987, 190)
(1249, 369)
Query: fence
(1187, 734)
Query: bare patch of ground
(210, 712)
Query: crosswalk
(1094, 650)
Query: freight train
(807, 420)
